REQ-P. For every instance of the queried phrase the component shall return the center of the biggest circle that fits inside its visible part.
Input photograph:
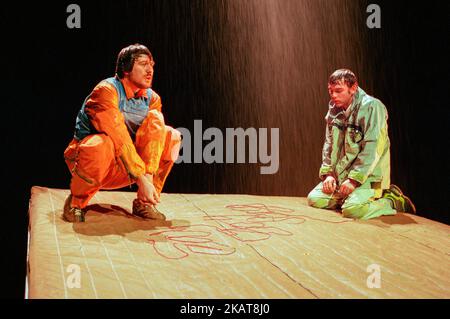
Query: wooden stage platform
(230, 246)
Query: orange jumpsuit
(110, 158)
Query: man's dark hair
(127, 56)
(343, 74)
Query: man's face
(341, 95)
(142, 73)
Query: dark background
(49, 69)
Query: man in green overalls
(355, 170)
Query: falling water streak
(273, 60)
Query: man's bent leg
(90, 162)
(153, 140)
(158, 145)
(317, 198)
(150, 139)
(169, 156)
(365, 203)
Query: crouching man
(121, 138)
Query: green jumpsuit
(356, 147)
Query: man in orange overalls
(121, 138)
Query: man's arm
(104, 114)
(373, 143)
(325, 168)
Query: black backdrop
(49, 69)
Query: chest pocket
(353, 137)
(355, 133)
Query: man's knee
(96, 140)
(154, 122)
(96, 147)
(316, 198)
(95, 156)
(174, 133)
(172, 144)
(357, 211)
(152, 130)
(312, 199)
(357, 204)
(318, 201)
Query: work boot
(73, 214)
(402, 203)
(146, 211)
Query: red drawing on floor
(251, 223)
(178, 242)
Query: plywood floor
(231, 246)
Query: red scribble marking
(274, 213)
(180, 240)
(177, 241)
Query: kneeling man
(355, 170)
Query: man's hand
(329, 185)
(347, 188)
(146, 190)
